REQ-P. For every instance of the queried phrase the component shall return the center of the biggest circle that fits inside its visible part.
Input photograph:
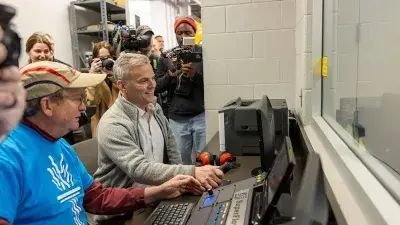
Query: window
(361, 92)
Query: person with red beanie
(185, 95)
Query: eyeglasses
(77, 98)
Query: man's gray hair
(33, 105)
(125, 64)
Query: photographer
(12, 93)
(185, 94)
(104, 94)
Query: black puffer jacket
(185, 95)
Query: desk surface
(247, 164)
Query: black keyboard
(176, 214)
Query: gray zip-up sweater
(122, 162)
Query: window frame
(360, 189)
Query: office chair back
(87, 152)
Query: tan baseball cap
(45, 78)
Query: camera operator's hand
(188, 69)
(12, 99)
(96, 65)
(173, 188)
(209, 176)
(173, 74)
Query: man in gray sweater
(136, 144)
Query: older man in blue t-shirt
(42, 181)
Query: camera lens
(108, 64)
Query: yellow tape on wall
(199, 34)
(324, 69)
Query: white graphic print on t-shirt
(64, 182)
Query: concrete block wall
(304, 63)
(249, 50)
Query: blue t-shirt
(41, 182)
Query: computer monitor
(312, 207)
(277, 181)
(266, 126)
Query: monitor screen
(266, 125)
(278, 179)
(312, 206)
(275, 176)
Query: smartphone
(188, 41)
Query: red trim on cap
(49, 70)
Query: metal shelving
(105, 8)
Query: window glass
(361, 92)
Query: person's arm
(4, 222)
(90, 93)
(9, 192)
(115, 141)
(109, 201)
(163, 80)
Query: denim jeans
(190, 134)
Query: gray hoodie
(122, 162)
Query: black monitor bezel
(287, 149)
(267, 158)
(312, 205)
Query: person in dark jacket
(185, 95)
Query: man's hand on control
(181, 184)
(188, 69)
(96, 65)
(173, 188)
(209, 176)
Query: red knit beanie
(187, 20)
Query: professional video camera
(11, 40)
(126, 39)
(185, 54)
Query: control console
(229, 204)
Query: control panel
(219, 214)
(230, 204)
